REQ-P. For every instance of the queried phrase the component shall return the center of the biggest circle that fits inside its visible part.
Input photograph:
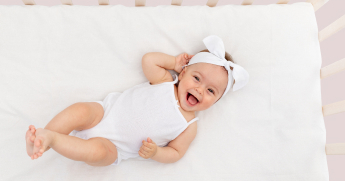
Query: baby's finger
(149, 145)
(141, 154)
(147, 148)
(143, 149)
(146, 153)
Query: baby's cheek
(206, 104)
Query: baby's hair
(228, 57)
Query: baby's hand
(148, 149)
(181, 60)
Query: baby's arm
(177, 147)
(154, 65)
(166, 155)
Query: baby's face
(207, 82)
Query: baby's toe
(37, 145)
(28, 133)
(32, 128)
(33, 157)
(32, 138)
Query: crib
(262, 137)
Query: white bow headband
(217, 56)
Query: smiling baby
(161, 111)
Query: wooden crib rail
(210, 3)
(177, 2)
(29, 2)
(333, 108)
(283, 1)
(332, 28)
(140, 2)
(332, 69)
(317, 4)
(66, 2)
(103, 2)
(247, 2)
(335, 149)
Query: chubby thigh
(95, 112)
(108, 151)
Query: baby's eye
(197, 78)
(211, 91)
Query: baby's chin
(190, 109)
(185, 107)
(193, 110)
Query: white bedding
(272, 129)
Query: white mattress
(272, 129)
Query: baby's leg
(79, 116)
(95, 151)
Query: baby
(161, 110)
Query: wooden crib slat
(317, 4)
(103, 2)
(335, 149)
(176, 2)
(247, 2)
(29, 2)
(333, 108)
(212, 3)
(283, 1)
(67, 2)
(140, 2)
(332, 28)
(333, 68)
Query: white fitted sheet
(272, 129)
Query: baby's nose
(200, 93)
(197, 90)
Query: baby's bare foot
(30, 137)
(43, 139)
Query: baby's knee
(107, 152)
(97, 153)
(82, 109)
(88, 113)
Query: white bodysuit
(142, 111)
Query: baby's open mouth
(191, 99)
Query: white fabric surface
(272, 129)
